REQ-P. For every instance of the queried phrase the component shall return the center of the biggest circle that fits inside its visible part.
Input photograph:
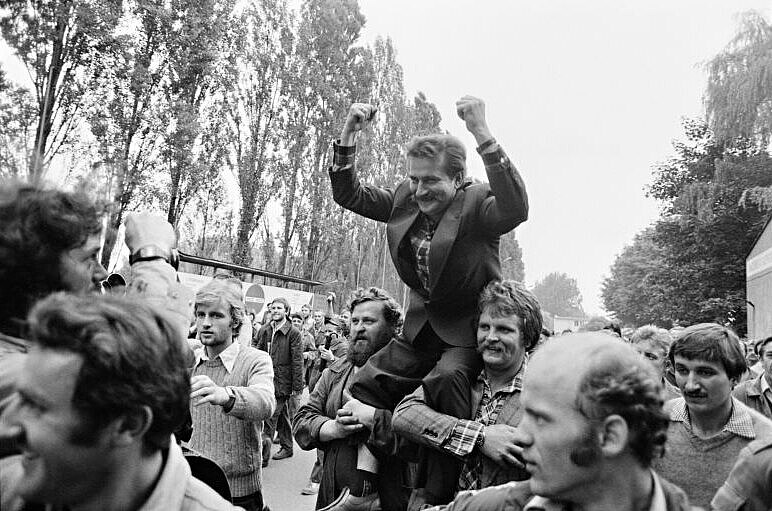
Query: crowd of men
(459, 400)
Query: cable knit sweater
(232, 439)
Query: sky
(585, 97)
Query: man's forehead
(696, 363)
(50, 375)
(217, 304)
(92, 244)
(369, 308)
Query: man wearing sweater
(708, 427)
(232, 392)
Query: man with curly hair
(98, 396)
(339, 425)
(593, 421)
(50, 240)
(508, 329)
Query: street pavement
(283, 479)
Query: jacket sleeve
(506, 497)
(507, 206)
(256, 402)
(416, 421)
(296, 351)
(369, 201)
(310, 417)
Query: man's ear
(614, 434)
(131, 426)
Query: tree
(512, 266)
(738, 99)
(61, 43)
(634, 291)
(17, 124)
(689, 266)
(559, 294)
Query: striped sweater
(232, 439)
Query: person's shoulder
(762, 426)
(339, 366)
(252, 354)
(200, 497)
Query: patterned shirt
(421, 234)
(740, 422)
(464, 436)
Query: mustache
(695, 394)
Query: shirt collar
(228, 355)
(740, 422)
(284, 327)
(169, 491)
(658, 501)
(764, 383)
(515, 385)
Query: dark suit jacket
(464, 253)
(287, 356)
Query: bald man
(593, 421)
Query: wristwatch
(150, 252)
(231, 399)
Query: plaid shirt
(464, 436)
(740, 422)
(420, 235)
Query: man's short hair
(38, 226)
(444, 150)
(625, 386)
(284, 302)
(713, 343)
(132, 357)
(296, 315)
(226, 289)
(507, 297)
(759, 346)
(392, 312)
(654, 335)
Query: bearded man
(338, 425)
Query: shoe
(283, 453)
(347, 502)
(343, 495)
(311, 489)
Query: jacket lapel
(396, 230)
(444, 237)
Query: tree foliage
(559, 294)
(689, 266)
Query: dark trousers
(252, 502)
(281, 420)
(446, 373)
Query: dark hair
(38, 226)
(284, 302)
(392, 312)
(132, 357)
(713, 343)
(625, 386)
(759, 346)
(508, 297)
(296, 315)
(444, 150)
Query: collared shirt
(420, 235)
(658, 501)
(465, 433)
(227, 356)
(766, 391)
(739, 423)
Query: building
(758, 289)
(558, 324)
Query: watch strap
(150, 252)
(485, 145)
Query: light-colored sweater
(232, 439)
(701, 465)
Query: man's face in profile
(563, 447)
(80, 269)
(61, 462)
